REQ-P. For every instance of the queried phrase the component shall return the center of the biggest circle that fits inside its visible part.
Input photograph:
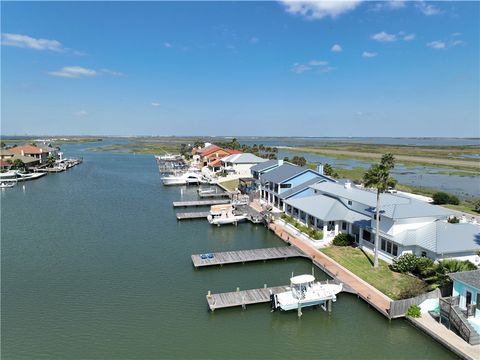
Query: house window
(344, 225)
(289, 208)
(276, 188)
(375, 217)
(367, 235)
(395, 250)
(389, 247)
(478, 301)
(349, 202)
(424, 254)
(384, 245)
(285, 186)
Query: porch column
(325, 227)
(336, 228)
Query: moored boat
(186, 178)
(305, 291)
(225, 214)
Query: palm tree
(51, 160)
(439, 273)
(378, 176)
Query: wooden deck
(200, 203)
(242, 298)
(192, 215)
(246, 297)
(243, 256)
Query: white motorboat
(186, 178)
(206, 191)
(15, 175)
(305, 291)
(225, 214)
(5, 184)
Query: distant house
(7, 157)
(210, 153)
(6, 154)
(240, 163)
(264, 167)
(37, 152)
(466, 285)
(406, 225)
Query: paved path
(447, 337)
(364, 290)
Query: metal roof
(244, 158)
(282, 173)
(391, 206)
(301, 187)
(264, 166)
(471, 278)
(326, 208)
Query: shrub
(343, 240)
(476, 205)
(441, 198)
(453, 220)
(453, 200)
(413, 289)
(425, 266)
(414, 311)
(405, 263)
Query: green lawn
(231, 185)
(360, 263)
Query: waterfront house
(264, 167)
(462, 309)
(31, 150)
(406, 225)
(211, 153)
(5, 154)
(240, 163)
(285, 180)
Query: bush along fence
(400, 307)
(310, 232)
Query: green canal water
(95, 266)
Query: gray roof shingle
(301, 187)
(282, 173)
(471, 278)
(264, 165)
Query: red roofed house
(31, 150)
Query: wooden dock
(192, 215)
(200, 203)
(214, 195)
(246, 297)
(243, 256)
(242, 298)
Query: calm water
(94, 265)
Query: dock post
(238, 289)
(329, 305)
(299, 310)
(264, 286)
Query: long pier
(247, 297)
(243, 256)
(200, 203)
(192, 215)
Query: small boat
(206, 191)
(305, 291)
(184, 179)
(4, 185)
(225, 214)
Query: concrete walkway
(446, 337)
(367, 292)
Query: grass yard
(360, 263)
(231, 185)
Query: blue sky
(227, 68)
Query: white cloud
(319, 9)
(457, 42)
(155, 103)
(73, 72)
(409, 37)
(81, 113)
(25, 41)
(336, 48)
(254, 40)
(367, 54)
(389, 5)
(437, 44)
(318, 63)
(112, 72)
(167, 44)
(427, 9)
(384, 37)
(300, 68)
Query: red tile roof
(215, 163)
(208, 149)
(27, 149)
(232, 152)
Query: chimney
(22, 152)
(348, 185)
(280, 162)
(320, 168)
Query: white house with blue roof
(406, 224)
(280, 181)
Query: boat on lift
(187, 178)
(305, 291)
(5, 184)
(225, 214)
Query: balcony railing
(449, 308)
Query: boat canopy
(302, 279)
